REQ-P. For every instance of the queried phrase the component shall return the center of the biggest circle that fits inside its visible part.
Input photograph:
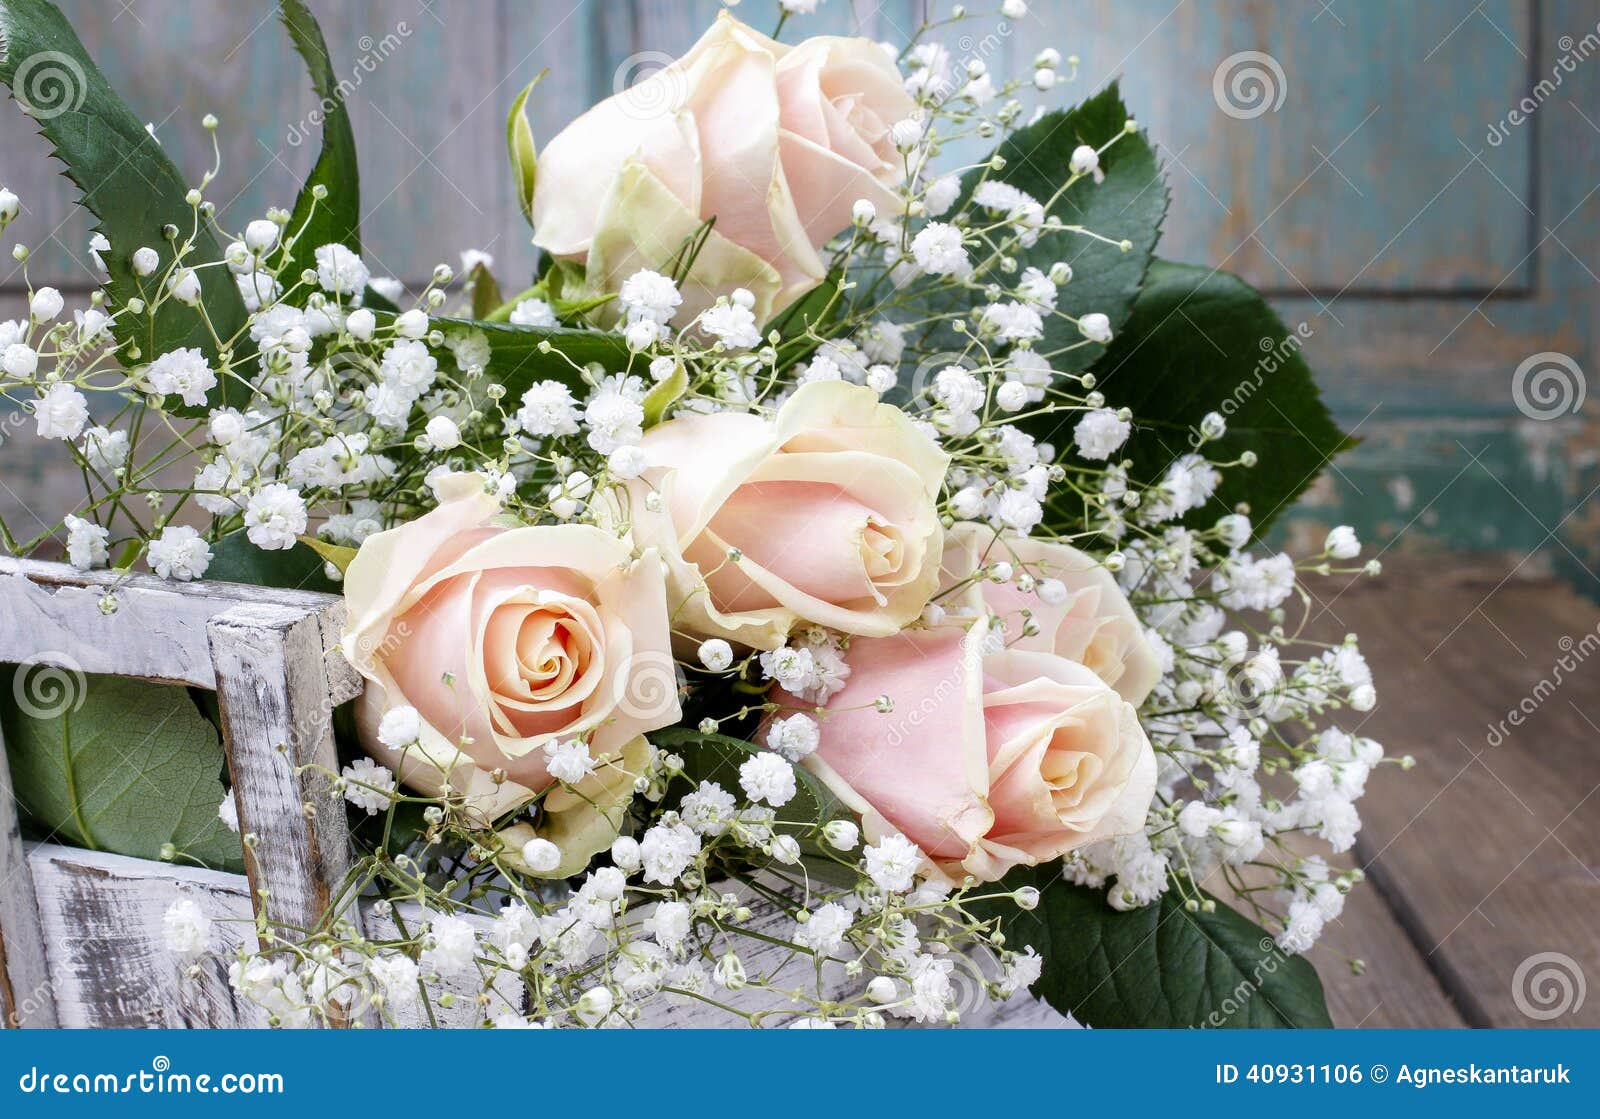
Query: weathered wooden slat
(101, 916)
(26, 998)
(277, 719)
(1487, 850)
(53, 614)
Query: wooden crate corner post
(271, 656)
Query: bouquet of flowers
(830, 591)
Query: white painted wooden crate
(80, 931)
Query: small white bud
(412, 324)
(260, 235)
(541, 855)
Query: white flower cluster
(343, 401)
(658, 922)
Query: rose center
(883, 550)
(551, 653)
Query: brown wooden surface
(1485, 856)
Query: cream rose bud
(1075, 609)
(823, 514)
(778, 143)
(985, 762)
(504, 639)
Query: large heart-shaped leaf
(1203, 341)
(335, 218)
(130, 768)
(128, 184)
(1157, 966)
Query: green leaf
(1158, 966)
(516, 360)
(335, 218)
(717, 757)
(1203, 341)
(374, 300)
(339, 555)
(128, 184)
(664, 394)
(1129, 204)
(235, 560)
(523, 151)
(485, 292)
(131, 767)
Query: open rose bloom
(505, 640)
(1087, 619)
(991, 758)
(776, 142)
(830, 505)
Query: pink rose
(986, 762)
(830, 505)
(1085, 619)
(776, 142)
(505, 640)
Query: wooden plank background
(1428, 261)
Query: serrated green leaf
(133, 767)
(127, 183)
(523, 150)
(1200, 341)
(235, 560)
(336, 218)
(1127, 204)
(1155, 967)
